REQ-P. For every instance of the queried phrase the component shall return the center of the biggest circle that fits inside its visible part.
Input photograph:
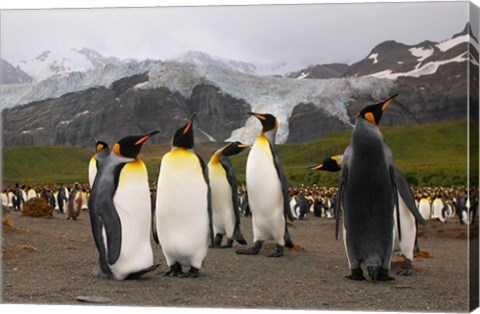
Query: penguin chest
(182, 207)
(132, 203)
(92, 171)
(263, 184)
(222, 203)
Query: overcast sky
(308, 34)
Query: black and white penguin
(267, 191)
(225, 201)
(367, 194)
(183, 206)
(408, 213)
(121, 223)
(101, 152)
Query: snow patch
(427, 69)
(450, 43)
(421, 53)
(302, 76)
(374, 56)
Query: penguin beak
(388, 101)
(243, 146)
(258, 116)
(317, 167)
(189, 124)
(146, 137)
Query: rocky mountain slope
(12, 74)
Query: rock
(93, 299)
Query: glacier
(267, 94)
(56, 86)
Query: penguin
(121, 223)
(101, 152)
(225, 202)
(439, 209)
(267, 191)
(424, 207)
(302, 206)
(367, 194)
(74, 203)
(183, 206)
(408, 213)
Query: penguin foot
(252, 250)
(192, 273)
(238, 236)
(356, 274)
(99, 273)
(378, 273)
(175, 270)
(218, 240)
(278, 251)
(228, 245)
(406, 269)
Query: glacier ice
(267, 94)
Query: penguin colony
(377, 205)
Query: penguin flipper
(97, 226)
(407, 195)
(209, 199)
(395, 200)
(232, 180)
(339, 203)
(154, 227)
(283, 180)
(113, 229)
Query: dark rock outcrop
(81, 118)
(309, 123)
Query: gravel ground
(49, 261)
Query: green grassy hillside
(434, 154)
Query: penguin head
(100, 145)
(373, 113)
(269, 122)
(183, 137)
(232, 149)
(331, 164)
(130, 146)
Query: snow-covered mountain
(391, 59)
(252, 68)
(51, 63)
(13, 75)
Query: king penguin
(367, 193)
(408, 214)
(267, 188)
(121, 223)
(101, 152)
(183, 206)
(225, 202)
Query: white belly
(437, 208)
(132, 202)
(424, 209)
(181, 210)
(222, 204)
(407, 228)
(265, 195)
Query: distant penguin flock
(196, 205)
